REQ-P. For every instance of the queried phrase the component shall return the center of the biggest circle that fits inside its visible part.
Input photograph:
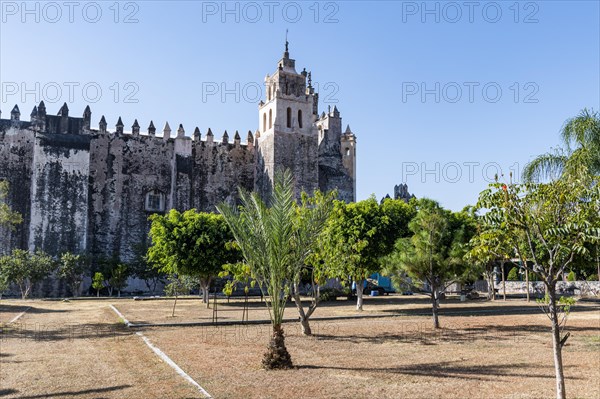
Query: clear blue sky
(373, 58)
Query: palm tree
(579, 153)
(275, 240)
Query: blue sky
(441, 95)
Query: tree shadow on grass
(76, 393)
(63, 331)
(455, 369)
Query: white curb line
(174, 365)
(163, 356)
(17, 317)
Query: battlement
(62, 123)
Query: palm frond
(547, 166)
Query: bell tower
(288, 135)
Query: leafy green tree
(26, 269)
(98, 282)
(72, 268)
(191, 243)
(487, 248)
(358, 235)
(4, 283)
(118, 278)
(513, 274)
(271, 239)
(555, 220)
(141, 267)
(435, 253)
(8, 218)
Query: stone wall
(537, 287)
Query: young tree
(26, 269)
(358, 235)
(271, 239)
(4, 283)
(118, 278)
(72, 268)
(434, 254)
(488, 247)
(179, 285)
(556, 220)
(8, 218)
(191, 243)
(98, 282)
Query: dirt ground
(484, 350)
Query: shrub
(592, 277)
(513, 274)
(330, 294)
(571, 276)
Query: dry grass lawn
(485, 350)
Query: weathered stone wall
(333, 175)
(59, 193)
(123, 170)
(16, 160)
(218, 170)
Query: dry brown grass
(485, 350)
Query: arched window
(155, 201)
(270, 118)
(300, 118)
(269, 92)
(265, 122)
(347, 152)
(289, 117)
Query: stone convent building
(91, 190)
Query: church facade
(88, 190)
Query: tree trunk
(97, 293)
(119, 293)
(434, 306)
(205, 285)
(174, 304)
(359, 294)
(503, 283)
(556, 345)
(277, 356)
(527, 283)
(304, 323)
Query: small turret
(63, 111)
(225, 137)
(197, 135)
(135, 128)
(209, 136)
(180, 132)
(236, 139)
(64, 119)
(41, 118)
(151, 129)
(335, 113)
(15, 114)
(102, 125)
(167, 131)
(87, 118)
(250, 139)
(34, 114)
(119, 126)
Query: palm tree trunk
(277, 356)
